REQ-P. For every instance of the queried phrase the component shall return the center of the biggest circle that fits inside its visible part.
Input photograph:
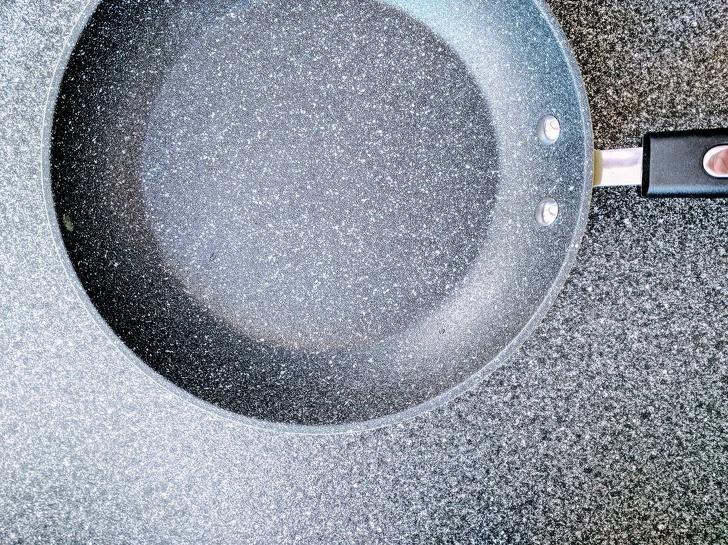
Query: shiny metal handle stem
(618, 167)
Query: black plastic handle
(672, 164)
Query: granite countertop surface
(609, 425)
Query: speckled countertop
(610, 425)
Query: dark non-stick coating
(318, 213)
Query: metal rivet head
(549, 130)
(547, 211)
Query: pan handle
(669, 164)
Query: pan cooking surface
(318, 176)
(316, 213)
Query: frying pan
(327, 215)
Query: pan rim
(317, 429)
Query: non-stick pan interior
(292, 210)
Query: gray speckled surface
(297, 290)
(610, 425)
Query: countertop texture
(610, 425)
